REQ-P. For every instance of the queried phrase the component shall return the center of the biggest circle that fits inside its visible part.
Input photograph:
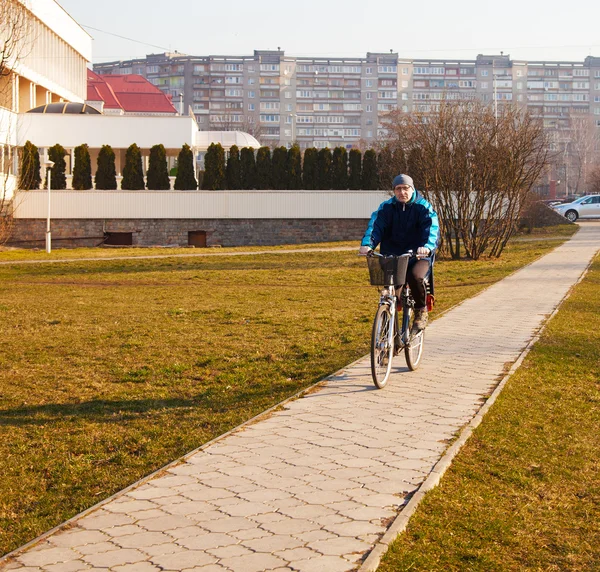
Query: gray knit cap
(403, 180)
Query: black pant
(415, 276)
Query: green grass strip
(524, 492)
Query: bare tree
(15, 45)
(582, 149)
(478, 171)
(594, 180)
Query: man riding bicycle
(406, 222)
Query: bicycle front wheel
(382, 345)
(413, 350)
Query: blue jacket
(399, 227)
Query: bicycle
(388, 338)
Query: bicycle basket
(387, 270)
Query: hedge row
(318, 169)
(106, 174)
(287, 169)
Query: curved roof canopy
(65, 108)
(226, 139)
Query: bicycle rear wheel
(382, 345)
(413, 350)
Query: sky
(438, 29)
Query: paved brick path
(313, 486)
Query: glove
(364, 250)
(423, 251)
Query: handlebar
(411, 253)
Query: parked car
(583, 207)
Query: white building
(46, 61)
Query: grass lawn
(14, 254)
(524, 492)
(111, 369)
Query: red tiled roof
(131, 93)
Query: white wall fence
(198, 204)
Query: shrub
(309, 169)
(339, 169)
(247, 168)
(355, 170)
(370, 179)
(133, 174)
(279, 165)
(294, 168)
(185, 179)
(29, 175)
(214, 168)
(57, 154)
(233, 171)
(106, 174)
(324, 172)
(82, 170)
(263, 168)
(158, 172)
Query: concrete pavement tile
(128, 506)
(355, 529)
(253, 562)
(73, 566)
(142, 540)
(78, 537)
(115, 558)
(166, 523)
(159, 549)
(145, 514)
(244, 508)
(137, 567)
(321, 497)
(206, 541)
(229, 551)
(324, 563)
(330, 519)
(102, 520)
(292, 554)
(342, 546)
(228, 524)
(308, 511)
(293, 526)
(207, 494)
(273, 543)
(147, 492)
(368, 513)
(183, 560)
(187, 532)
(124, 530)
(264, 495)
(189, 507)
(96, 548)
(250, 533)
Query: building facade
(43, 61)
(325, 101)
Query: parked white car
(583, 207)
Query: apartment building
(44, 61)
(325, 101)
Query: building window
(369, 71)
(251, 107)
(484, 85)
(251, 94)
(369, 95)
(404, 71)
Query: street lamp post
(49, 164)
